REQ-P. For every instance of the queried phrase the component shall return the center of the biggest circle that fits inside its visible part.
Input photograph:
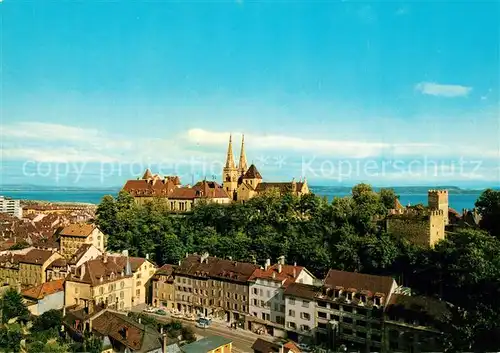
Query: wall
(92, 253)
(270, 300)
(52, 301)
(74, 291)
(120, 289)
(69, 245)
(163, 291)
(437, 227)
(141, 278)
(96, 239)
(9, 275)
(245, 193)
(30, 274)
(298, 307)
(416, 230)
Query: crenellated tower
(230, 172)
(438, 200)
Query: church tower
(230, 172)
(242, 166)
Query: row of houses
(361, 311)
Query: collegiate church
(241, 183)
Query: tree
(10, 338)
(488, 205)
(388, 198)
(12, 306)
(48, 320)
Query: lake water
(457, 201)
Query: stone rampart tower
(438, 200)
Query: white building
(300, 305)
(11, 207)
(266, 292)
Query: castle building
(242, 183)
(422, 226)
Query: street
(242, 339)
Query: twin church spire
(242, 165)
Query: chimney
(295, 264)
(281, 259)
(268, 264)
(125, 252)
(147, 256)
(274, 275)
(294, 272)
(279, 268)
(105, 258)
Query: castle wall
(413, 229)
(420, 230)
(438, 200)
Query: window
(254, 314)
(262, 303)
(291, 301)
(244, 308)
(138, 292)
(138, 275)
(347, 320)
(280, 320)
(255, 303)
(361, 334)
(322, 315)
(305, 316)
(138, 283)
(244, 298)
(122, 295)
(347, 331)
(184, 280)
(305, 328)
(305, 303)
(101, 290)
(269, 294)
(291, 313)
(322, 325)
(292, 325)
(376, 326)
(235, 306)
(235, 296)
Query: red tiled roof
(58, 263)
(78, 230)
(359, 281)
(210, 189)
(291, 347)
(272, 273)
(302, 290)
(183, 193)
(147, 174)
(44, 289)
(152, 186)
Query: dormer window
(362, 298)
(377, 300)
(349, 296)
(337, 293)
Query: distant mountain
(397, 189)
(30, 187)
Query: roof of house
(183, 193)
(151, 187)
(359, 281)
(263, 346)
(282, 187)
(82, 250)
(302, 290)
(206, 344)
(44, 289)
(123, 329)
(135, 262)
(216, 268)
(210, 189)
(252, 173)
(62, 262)
(397, 204)
(100, 270)
(147, 174)
(165, 270)
(287, 276)
(36, 256)
(78, 230)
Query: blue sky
(339, 92)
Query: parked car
(304, 347)
(201, 324)
(161, 312)
(150, 309)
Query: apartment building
(414, 324)
(213, 286)
(142, 270)
(75, 235)
(163, 287)
(350, 309)
(300, 309)
(267, 300)
(102, 281)
(9, 269)
(11, 207)
(32, 266)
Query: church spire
(230, 157)
(242, 166)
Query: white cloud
(435, 89)
(339, 148)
